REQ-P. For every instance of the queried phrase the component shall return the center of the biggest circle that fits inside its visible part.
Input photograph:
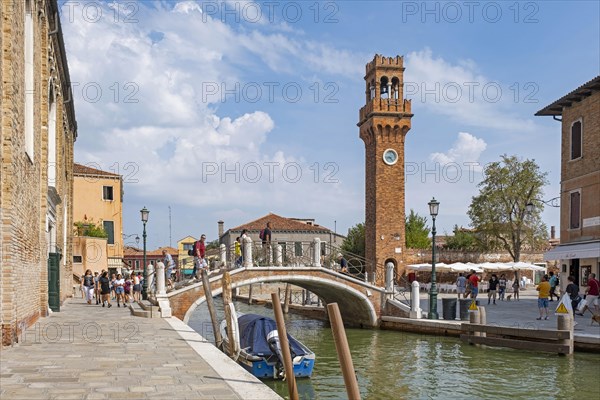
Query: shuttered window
(575, 210)
(576, 140)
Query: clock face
(390, 157)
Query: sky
(230, 110)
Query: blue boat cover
(254, 329)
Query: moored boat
(260, 349)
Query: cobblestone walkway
(89, 352)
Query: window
(575, 210)
(576, 140)
(188, 246)
(107, 193)
(298, 249)
(77, 259)
(29, 79)
(109, 228)
(137, 264)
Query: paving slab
(90, 352)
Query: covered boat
(260, 350)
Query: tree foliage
(499, 213)
(417, 232)
(462, 240)
(355, 240)
(91, 229)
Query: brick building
(579, 249)
(383, 124)
(133, 257)
(37, 130)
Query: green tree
(213, 245)
(89, 228)
(417, 232)
(462, 240)
(355, 240)
(499, 213)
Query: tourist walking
(137, 287)
(516, 288)
(88, 285)
(265, 237)
(573, 292)
(199, 254)
(120, 290)
(501, 287)
(543, 293)
(170, 265)
(113, 293)
(128, 286)
(474, 283)
(493, 287)
(591, 295)
(105, 289)
(553, 284)
(461, 285)
(343, 263)
(237, 251)
(97, 287)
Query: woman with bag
(88, 285)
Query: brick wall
(24, 182)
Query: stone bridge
(361, 303)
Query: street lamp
(434, 206)
(555, 202)
(145, 213)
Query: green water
(398, 365)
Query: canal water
(399, 365)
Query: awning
(571, 251)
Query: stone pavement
(90, 352)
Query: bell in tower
(384, 122)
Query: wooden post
(285, 347)
(343, 351)
(228, 317)
(250, 294)
(286, 302)
(482, 319)
(211, 309)
(565, 323)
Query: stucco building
(579, 249)
(98, 199)
(37, 131)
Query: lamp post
(145, 213)
(433, 211)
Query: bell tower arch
(383, 124)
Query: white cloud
(467, 148)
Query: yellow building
(183, 245)
(98, 199)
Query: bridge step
(147, 310)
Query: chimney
(220, 228)
(552, 232)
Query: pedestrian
(461, 285)
(137, 287)
(474, 281)
(573, 291)
(170, 265)
(343, 263)
(199, 254)
(237, 251)
(553, 284)
(543, 293)
(265, 237)
(104, 282)
(97, 287)
(516, 288)
(492, 288)
(81, 290)
(113, 294)
(468, 285)
(501, 287)
(88, 285)
(127, 288)
(591, 295)
(120, 290)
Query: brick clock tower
(384, 122)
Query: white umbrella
(519, 265)
(488, 266)
(418, 267)
(462, 267)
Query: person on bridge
(237, 251)
(265, 236)
(199, 253)
(343, 263)
(168, 261)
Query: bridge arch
(359, 302)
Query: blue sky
(230, 110)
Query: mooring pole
(285, 347)
(211, 309)
(343, 351)
(286, 301)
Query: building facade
(98, 199)
(579, 249)
(383, 123)
(37, 130)
(133, 257)
(183, 246)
